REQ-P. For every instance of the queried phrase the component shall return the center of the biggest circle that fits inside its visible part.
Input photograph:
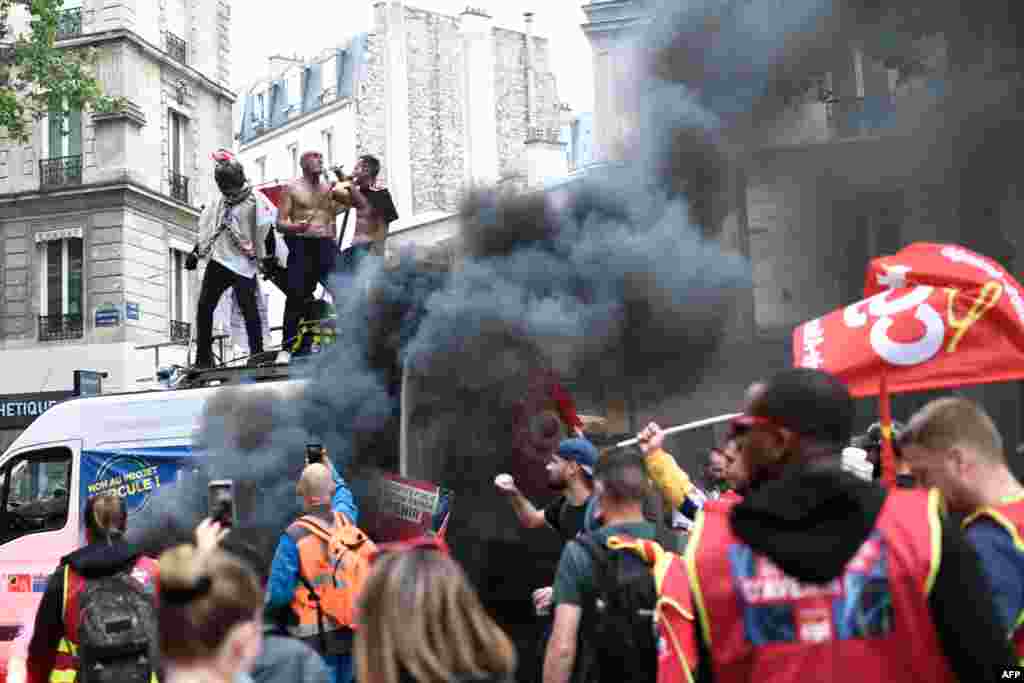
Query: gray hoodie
(287, 660)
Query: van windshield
(34, 493)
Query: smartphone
(222, 502)
(314, 453)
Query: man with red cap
(819, 575)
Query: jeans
(216, 281)
(310, 261)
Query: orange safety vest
(338, 592)
(1010, 516)
(871, 623)
(65, 666)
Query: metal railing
(179, 187)
(543, 134)
(56, 327)
(181, 331)
(69, 24)
(60, 171)
(177, 48)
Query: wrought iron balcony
(55, 327)
(543, 134)
(69, 23)
(179, 187)
(180, 331)
(177, 48)
(60, 172)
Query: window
(261, 169)
(259, 110)
(62, 160)
(293, 154)
(34, 493)
(328, 79)
(177, 180)
(61, 277)
(294, 90)
(328, 145)
(180, 328)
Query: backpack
(117, 631)
(346, 561)
(619, 627)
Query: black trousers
(216, 281)
(310, 261)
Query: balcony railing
(69, 23)
(543, 134)
(179, 187)
(177, 48)
(180, 331)
(55, 327)
(60, 172)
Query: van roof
(123, 419)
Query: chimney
(531, 75)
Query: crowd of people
(791, 567)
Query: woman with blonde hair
(210, 612)
(422, 622)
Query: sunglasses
(435, 543)
(742, 424)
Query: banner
(133, 474)
(935, 316)
(405, 508)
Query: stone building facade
(98, 211)
(444, 102)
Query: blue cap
(581, 452)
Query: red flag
(935, 316)
(566, 407)
(888, 456)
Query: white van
(132, 443)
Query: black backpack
(117, 631)
(619, 627)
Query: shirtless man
(374, 211)
(306, 215)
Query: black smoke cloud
(618, 275)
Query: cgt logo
(884, 307)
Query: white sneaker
(284, 357)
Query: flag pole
(888, 454)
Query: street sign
(108, 315)
(89, 382)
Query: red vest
(65, 667)
(871, 623)
(1010, 516)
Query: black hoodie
(91, 561)
(812, 521)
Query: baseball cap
(579, 451)
(806, 401)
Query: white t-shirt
(242, 220)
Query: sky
(309, 26)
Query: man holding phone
(324, 492)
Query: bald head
(316, 486)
